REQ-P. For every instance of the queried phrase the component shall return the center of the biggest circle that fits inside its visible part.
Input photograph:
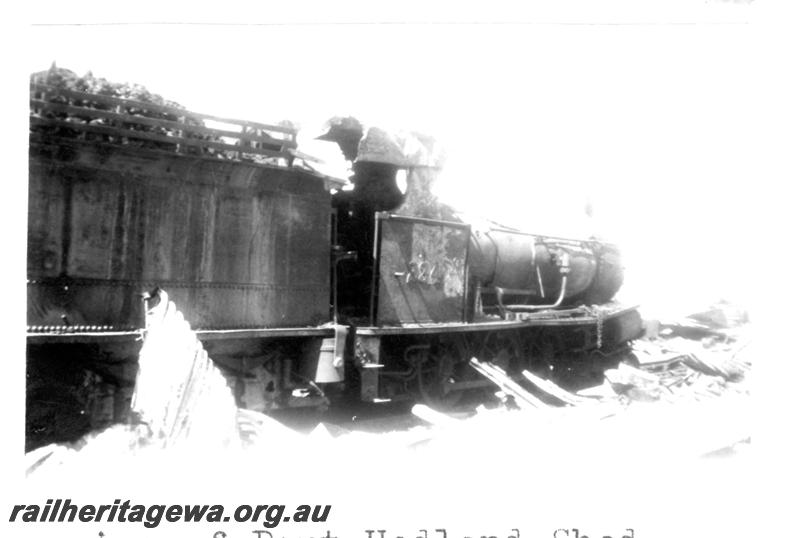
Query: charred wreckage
(303, 292)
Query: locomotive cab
(375, 189)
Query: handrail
(545, 239)
(74, 114)
(167, 109)
(144, 135)
(154, 122)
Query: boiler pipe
(533, 308)
(564, 269)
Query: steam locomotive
(303, 288)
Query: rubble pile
(60, 78)
(701, 355)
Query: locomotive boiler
(304, 292)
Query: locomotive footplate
(431, 360)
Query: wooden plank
(116, 101)
(114, 131)
(431, 416)
(518, 389)
(522, 397)
(555, 391)
(154, 122)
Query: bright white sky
(654, 118)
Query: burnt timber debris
(299, 293)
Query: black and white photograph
(428, 271)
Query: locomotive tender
(300, 289)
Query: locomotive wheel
(446, 364)
(502, 348)
(539, 354)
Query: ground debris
(677, 397)
(707, 352)
(634, 383)
(717, 364)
